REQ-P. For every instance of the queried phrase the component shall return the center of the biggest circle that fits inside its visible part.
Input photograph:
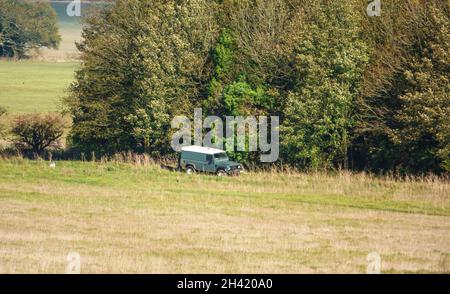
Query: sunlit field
(34, 86)
(138, 218)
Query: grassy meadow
(125, 218)
(34, 86)
(37, 85)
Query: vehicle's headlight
(239, 167)
(228, 168)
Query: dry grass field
(124, 218)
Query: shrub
(36, 132)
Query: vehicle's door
(200, 161)
(209, 166)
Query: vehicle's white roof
(200, 149)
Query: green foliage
(143, 63)
(329, 61)
(36, 132)
(423, 118)
(404, 122)
(230, 94)
(263, 33)
(224, 56)
(350, 90)
(241, 99)
(26, 25)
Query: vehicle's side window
(209, 158)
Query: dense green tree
(26, 25)
(403, 120)
(143, 63)
(329, 58)
(264, 33)
(249, 61)
(351, 90)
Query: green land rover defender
(209, 160)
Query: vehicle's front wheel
(190, 170)
(221, 173)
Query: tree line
(352, 91)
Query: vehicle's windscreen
(221, 156)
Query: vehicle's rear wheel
(190, 170)
(221, 173)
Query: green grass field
(34, 86)
(37, 86)
(124, 218)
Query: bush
(36, 132)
